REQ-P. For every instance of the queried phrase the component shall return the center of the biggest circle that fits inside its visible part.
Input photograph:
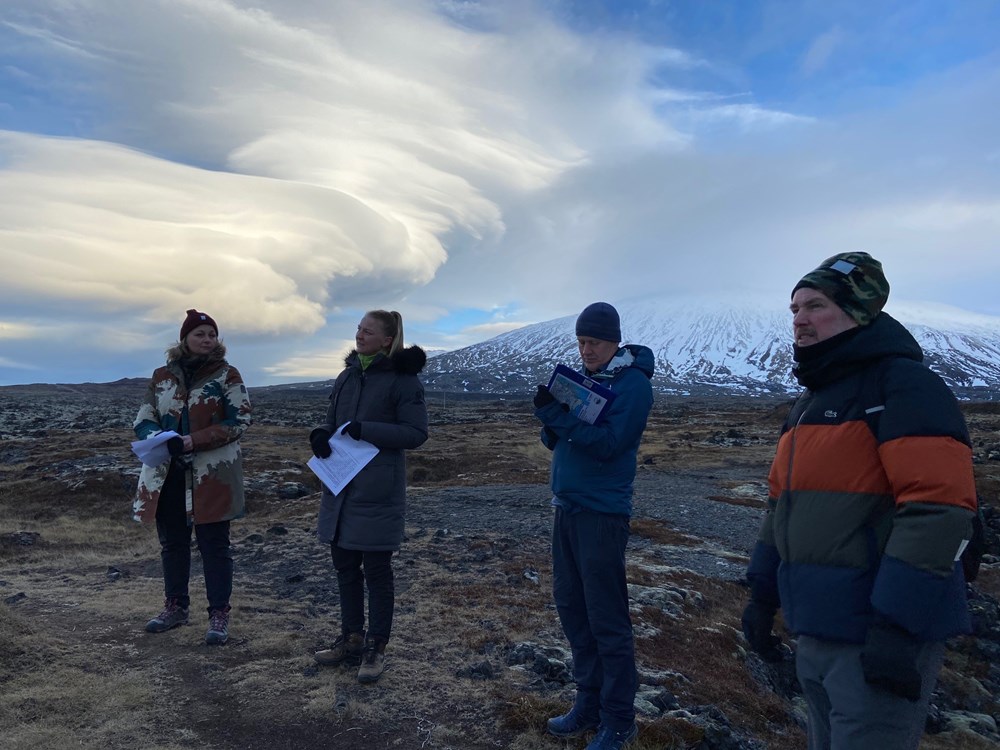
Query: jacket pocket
(373, 485)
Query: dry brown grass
(53, 694)
(76, 669)
(956, 741)
(659, 532)
(504, 608)
(705, 648)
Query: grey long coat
(388, 400)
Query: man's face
(596, 353)
(816, 317)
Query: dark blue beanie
(599, 321)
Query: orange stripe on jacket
(930, 470)
(837, 458)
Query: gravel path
(682, 501)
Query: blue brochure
(586, 398)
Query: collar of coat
(629, 355)
(407, 361)
(855, 350)
(203, 365)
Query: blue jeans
(351, 582)
(591, 596)
(175, 547)
(846, 713)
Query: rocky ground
(477, 658)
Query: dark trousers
(381, 590)
(591, 596)
(846, 713)
(175, 548)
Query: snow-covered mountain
(703, 345)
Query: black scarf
(821, 363)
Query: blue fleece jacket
(593, 465)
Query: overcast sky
(285, 165)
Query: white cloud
(749, 116)
(15, 365)
(18, 330)
(354, 139)
(122, 231)
(822, 50)
(289, 164)
(489, 330)
(314, 365)
(944, 215)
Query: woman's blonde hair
(392, 325)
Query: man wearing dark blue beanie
(593, 468)
(599, 321)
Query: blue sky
(477, 166)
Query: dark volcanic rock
(483, 670)
(293, 491)
(551, 663)
(20, 538)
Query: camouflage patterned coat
(215, 411)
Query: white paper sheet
(153, 450)
(348, 457)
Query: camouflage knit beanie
(852, 280)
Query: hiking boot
(372, 660)
(610, 739)
(347, 648)
(218, 627)
(173, 614)
(573, 724)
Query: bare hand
(188, 443)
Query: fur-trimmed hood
(179, 351)
(407, 361)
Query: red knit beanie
(195, 319)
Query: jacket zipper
(188, 463)
(788, 490)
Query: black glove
(176, 446)
(543, 397)
(319, 439)
(758, 622)
(353, 429)
(889, 660)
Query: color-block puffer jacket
(214, 409)
(869, 502)
(387, 399)
(593, 465)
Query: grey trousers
(846, 713)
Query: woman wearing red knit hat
(202, 398)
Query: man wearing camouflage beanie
(871, 501)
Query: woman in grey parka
(377, 398)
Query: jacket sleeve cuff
(763, 574)
(929, 606)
